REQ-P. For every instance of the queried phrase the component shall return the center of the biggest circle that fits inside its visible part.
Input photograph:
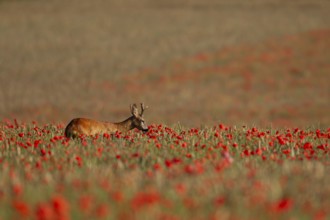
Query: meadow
(218, 172)
(238, 96)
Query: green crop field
(217, 172)
(198, 63)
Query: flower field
(217, 172)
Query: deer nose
(145, 130)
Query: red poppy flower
(101, 211)
(44, 212)
(60, 205)
(282, 205)
(21, 208)
(142, 199)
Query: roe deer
(83, 126)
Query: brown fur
(90, 127)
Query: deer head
(137, 119)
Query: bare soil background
(194, 62)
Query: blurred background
(257, 62)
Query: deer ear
(134, 110)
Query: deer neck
(125, 125)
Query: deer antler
(143, 107)
(134, 110)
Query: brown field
(195, 62)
